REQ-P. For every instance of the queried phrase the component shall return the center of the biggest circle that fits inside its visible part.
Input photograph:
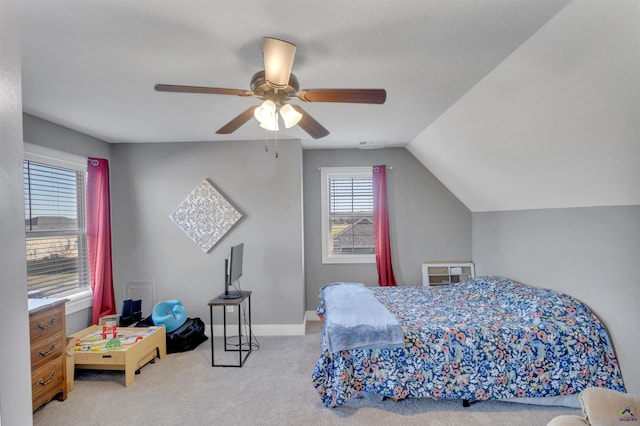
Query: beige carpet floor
(273, 388)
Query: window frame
(80, 298)
(327, 173)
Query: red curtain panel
(98, 218)
(381, 227)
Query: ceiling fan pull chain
(276, 144)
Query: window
(347, 215)
(55, 234)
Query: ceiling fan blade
(278, 61)
(200, 89)
(237, 121)
(310, 125)
(353, 96)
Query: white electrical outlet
(229, 308)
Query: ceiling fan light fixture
(265, 112)
(276, 85)
(278, 61)
(267, 115)
(270, 124)
(290, 116)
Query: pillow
(604, 406)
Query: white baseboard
(262, 329)
(269, 329)
(311, 316)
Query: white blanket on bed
(355, 319)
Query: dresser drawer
(47, 381)
(45, 323)
(46, 349)
(47, 330)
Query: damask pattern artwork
(205, 216)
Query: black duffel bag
(186, 337)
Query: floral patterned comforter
(486, 338)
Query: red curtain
(381, 227)
(99, 238)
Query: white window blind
(351, 214)
(55, 235)
(347, 216)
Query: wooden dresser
(48, 349)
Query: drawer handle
(49, 352)
(45, 327)
(41, 382)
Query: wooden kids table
(138, 347)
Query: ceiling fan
(275, 85)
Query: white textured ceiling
(512, 104)
(91, 65)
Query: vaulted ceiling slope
(92, 65)
(556, 124)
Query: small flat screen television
(233, 271)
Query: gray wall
(586, 252)
(150, 180)
(15, 368)
(589, 253)
(426, 221)
(45, 133)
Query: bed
(485, 338)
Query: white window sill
(78, 301)
(349, 259)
